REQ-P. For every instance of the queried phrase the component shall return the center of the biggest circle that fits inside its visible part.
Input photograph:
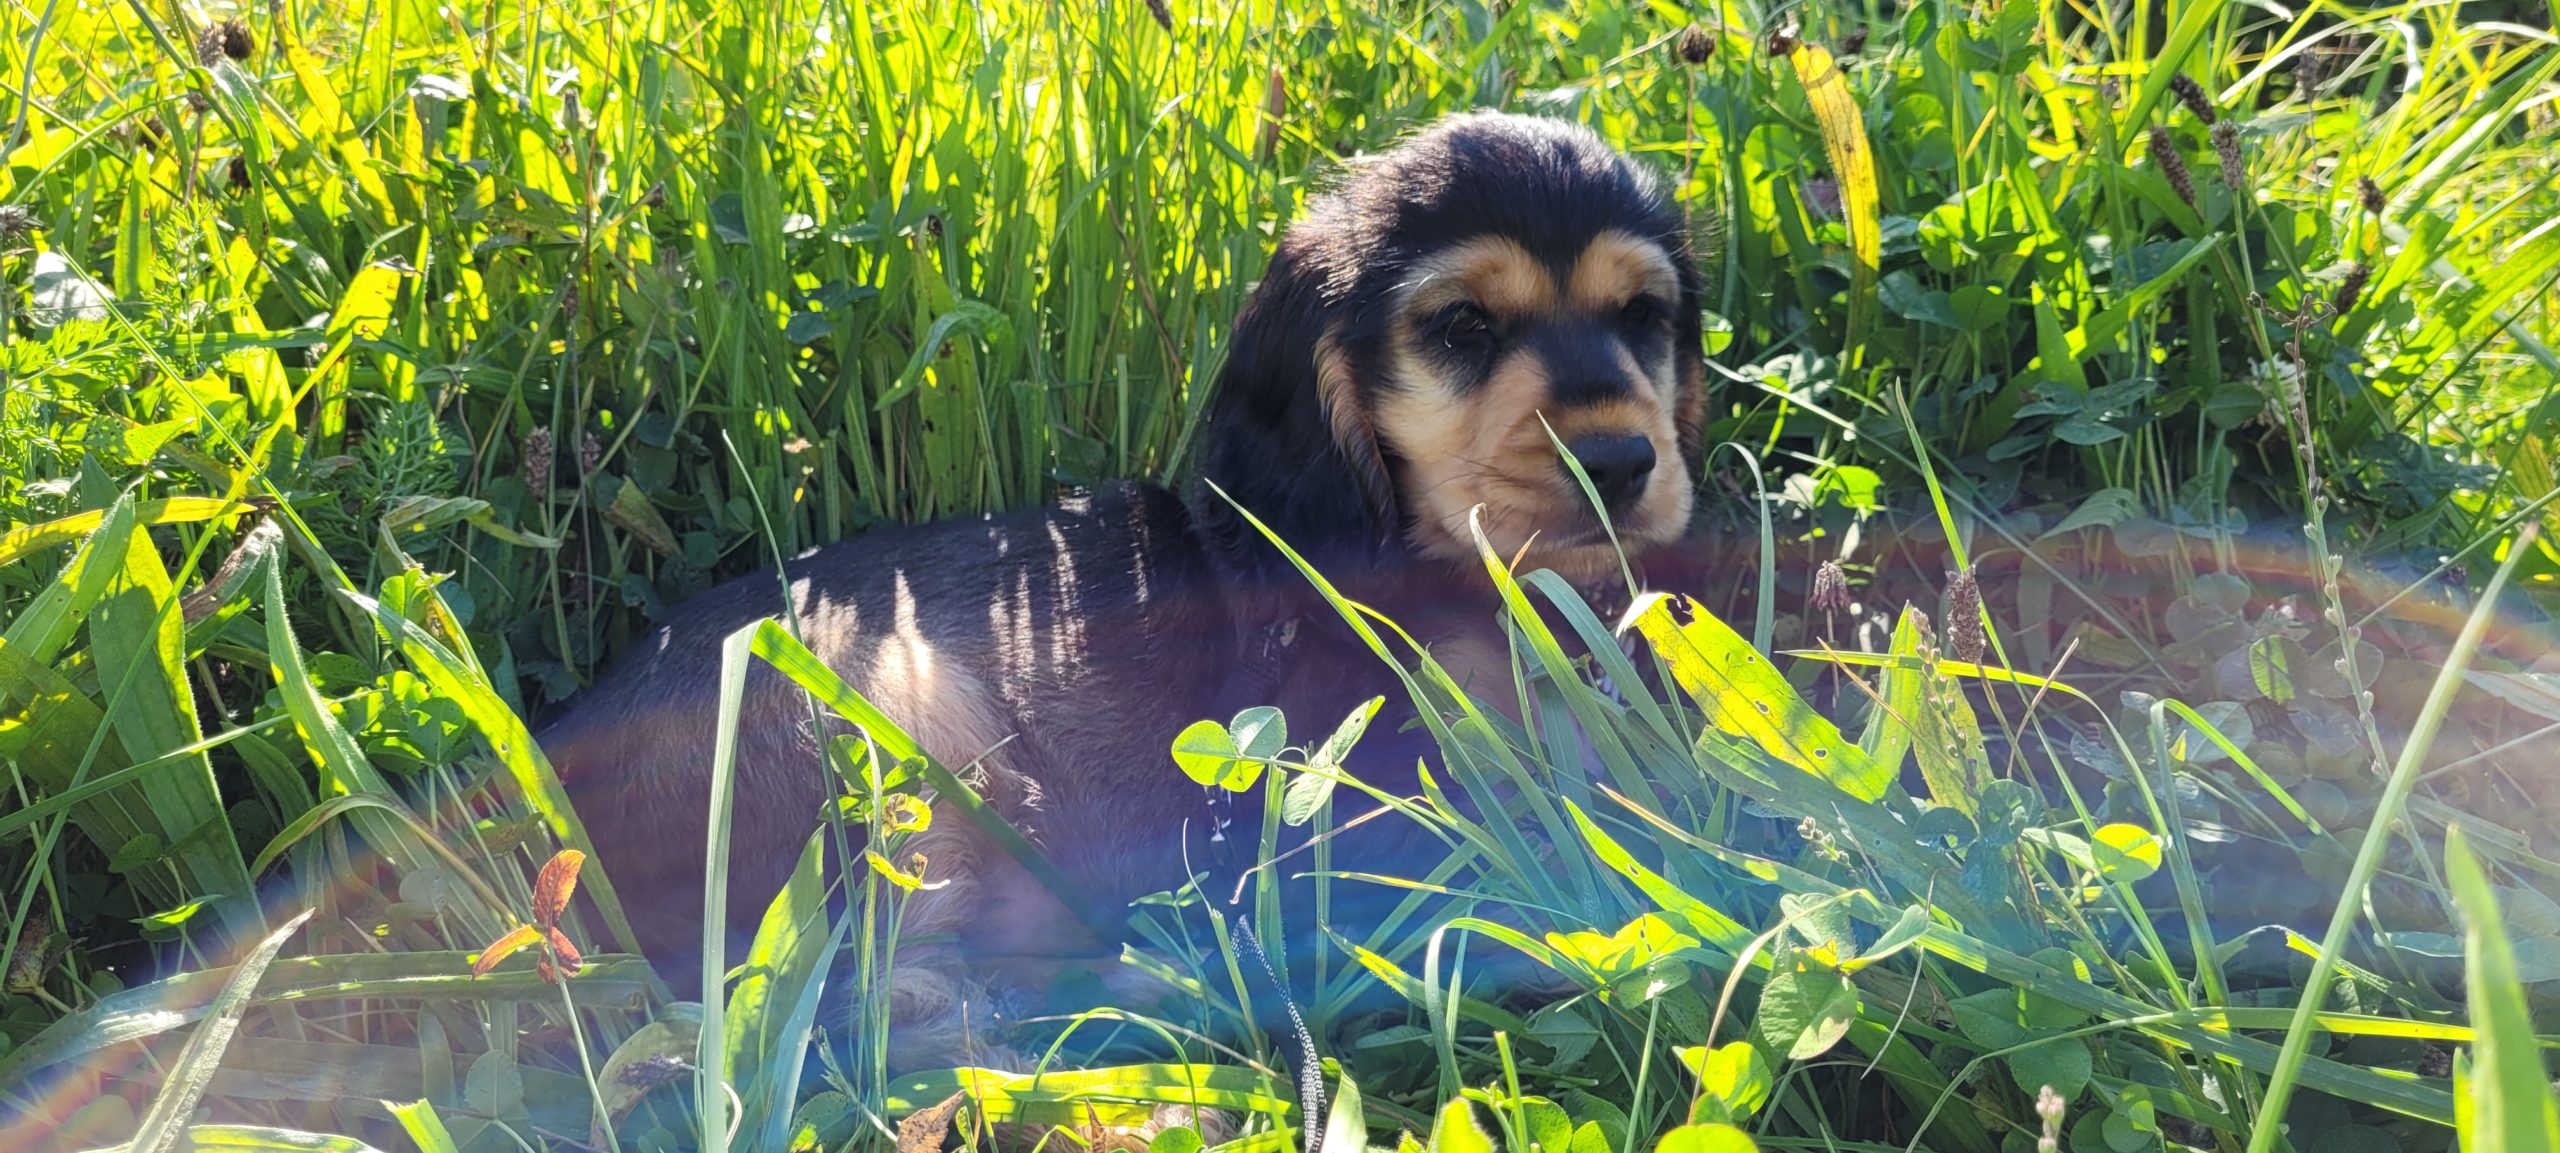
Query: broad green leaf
(1806, 1008)
(2274, 664)
(1206, 752)
(2063, 1063)
(2104, 508)
(2124, 853)
(1735, 1074)
(1905, 932)
(1743, 695)
(1456, 1130)
(1638, 943)
(631, 511)
(1706, 1139)
(1259, 732)
(672, 1037)
(138, 639)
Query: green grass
(370, 373)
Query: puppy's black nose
(1618, 466)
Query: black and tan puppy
(1416, 337)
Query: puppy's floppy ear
(1288, 434)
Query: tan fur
(1492, 271)
(1492, 448)
(1616, 266)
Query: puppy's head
(1429, 321)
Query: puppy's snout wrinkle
(1618, 465)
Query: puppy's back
(1059, 633)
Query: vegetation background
(375, 370)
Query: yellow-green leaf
(1706, 1139)
(2124, 852)
(1456, 1130)
(1743, 695)
(1844, 140)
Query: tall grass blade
(2512, 1105)
(164, 1128)
(2395, 798)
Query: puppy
(1421, 340)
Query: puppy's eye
(1643, 314)
(1465, 326)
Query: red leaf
(570, 961)
(551, 891)
(517, 938)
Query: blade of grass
(164, 1128)
(2395, 798)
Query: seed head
(2369, 194)
(1964, 617)
(2226, 146)
(653, 1071)
(1162, 12)
(236, 173)
(16, 221)
(2310, 71)
(1695, 44)
(1855, 42)
(590, 452)
(1830, 587)
(237, 43)
(2350, 288)
(2164, 152)
(2192, 95)
(2049, 1107)
(535, 455)
(209, 45)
